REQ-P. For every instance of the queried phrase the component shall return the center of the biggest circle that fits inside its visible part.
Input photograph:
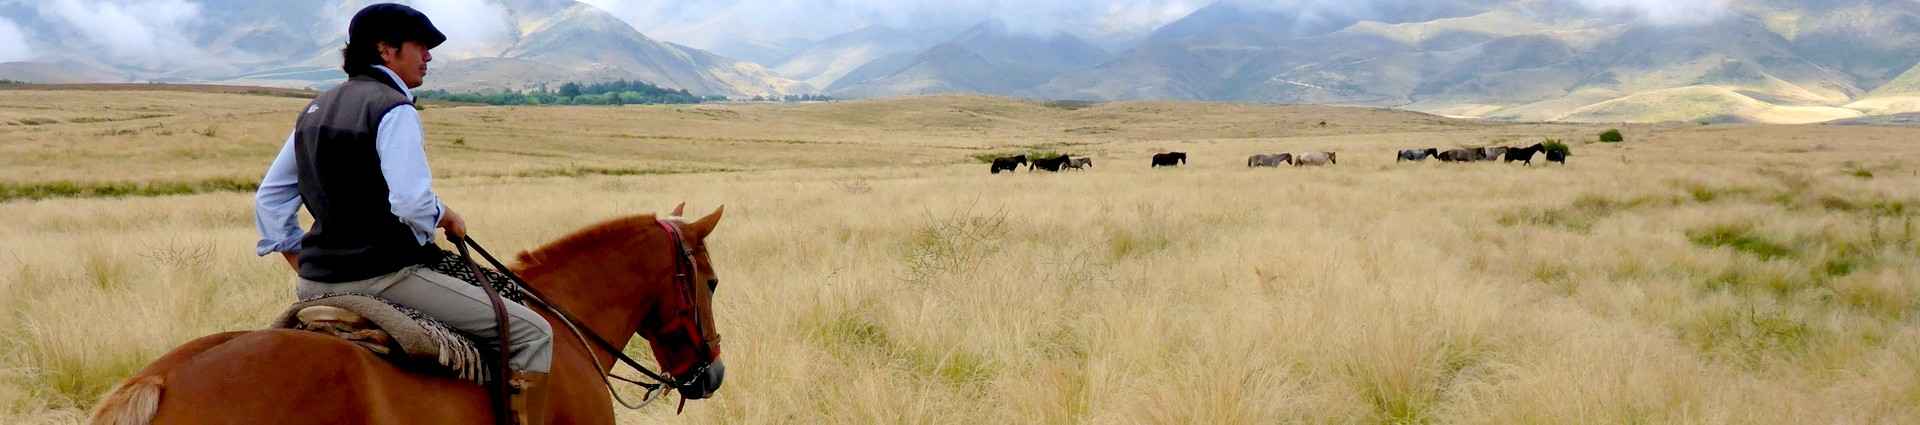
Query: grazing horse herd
(1492, 153)
(1309, 159)
(1054, 164)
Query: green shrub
(1555, 145)
(1612, 136)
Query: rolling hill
(1765, 61)
(987, 58)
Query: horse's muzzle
(707, 383)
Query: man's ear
(388, 51)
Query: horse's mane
(584, 241)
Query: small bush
(1612, 136)
(1555, 145)
(38, 121)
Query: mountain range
(296, 44)
(1779, 61)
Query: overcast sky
(703, 22)
(153, 32)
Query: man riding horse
(357, 163)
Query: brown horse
(618, 278)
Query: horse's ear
(680, 210)
(705, 225)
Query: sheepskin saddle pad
(404, 335)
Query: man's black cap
(393, 22)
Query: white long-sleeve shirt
(401, 144)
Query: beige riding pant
(457, 303)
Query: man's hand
(293, 260)
(455, 225)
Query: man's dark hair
(388, 23)
(359, 58)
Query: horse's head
(681, 329)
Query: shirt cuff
(266, 246)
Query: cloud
(1664, 12)
(13, 43)
(139, 32)
(473, 28)
(1143, 16)
(701, 23)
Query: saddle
(408, 337)
(403, 335)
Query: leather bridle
(685, 270)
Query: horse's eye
(713, 285)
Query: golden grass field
(875, 273)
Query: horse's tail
(134, 403)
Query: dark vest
(355, 235)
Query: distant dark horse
(1525, 155)
(1054, 164)
(1169, 159)
(1009, 164)
(1557, 156)
(1418, 154)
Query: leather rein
(684, 270)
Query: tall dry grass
(1745, 275)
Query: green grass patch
(583, 171)
(957, 367)
(1749, 334)
(1703, 193)
(1583, 213)
(92, 120)
(1741, 238)
(10, 191)
(1124, 242)
(1071, 105)
(850, 329)
(38, 121)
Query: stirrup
(529, 399)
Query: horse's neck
(607, 288)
